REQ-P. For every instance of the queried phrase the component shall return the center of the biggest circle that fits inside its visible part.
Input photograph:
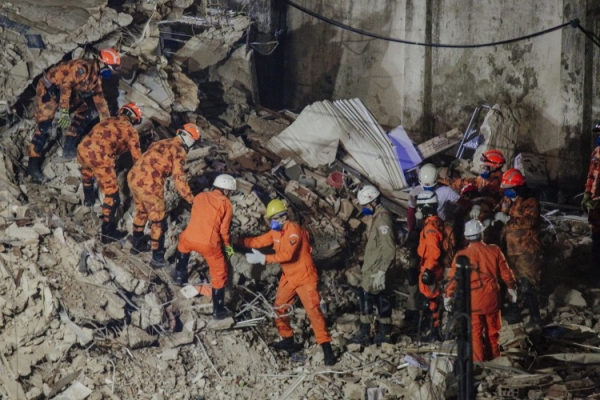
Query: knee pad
(39, 141)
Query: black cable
(573, 23)
(590, 35)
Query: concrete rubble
(80, 320)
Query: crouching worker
(488, 267)
(298, 276)
(208, 234)
(380, 256)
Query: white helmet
(427, 197)
(428, 175)
(225, 181)
(473, 229)
(367, 194)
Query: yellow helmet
(275, 207)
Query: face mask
(106, 72)
(367, 211)
(598, 140)
(429, 188)
(276, 225)
(485, 174)
(510, 193)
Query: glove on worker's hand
(512, 295)
(475, 211)
(378, 280)
(448, 304)
(228, 251)
(587, 203)
(256, 257)
(64, 120)
(500, 216)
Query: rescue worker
(430, 250)
(488, 267)
(428, 180)
(520, 213)
(380, 256)
(489, 183)
(208, 234)
(97, 154)
(146, 180)
(591, 199)
(67, 87)
(298, 276)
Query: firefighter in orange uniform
(520, 213)
(67, 88)
(146, 180)
(430, 250)
(488, 267)
(208, 234)
(591, 199)
(298, 276)
(97, 154)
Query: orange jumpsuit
(207, 233)
(298, 276)
(488, 267)
(431, 252)
(146, 180)
(98, 152)
(592, 185)
(523, 246)
(67, 85)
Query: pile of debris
(82, 320)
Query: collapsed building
(82, 320)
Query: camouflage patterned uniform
(97, 154)
(147, 179)
(67, 86)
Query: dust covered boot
(288, 345)
(219, 310)
(328, 356)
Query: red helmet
(132, 111)
(110, 57)
(493, 158)
(511, 178)
(469, 188)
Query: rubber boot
(180, 273)
(328, 356)
(158, 255)
(363, 337)
(532, 303)
(219, 310)
(384, 334)
(139, 244)
(110, 233)
(287, 344)
(70, 148)
(513, 314)
(89, 196)
(34, 171)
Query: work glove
(500, 216)
(228, 251)
(512, 295)
(475, 211)
(64, 120)
(448, 304)
(256, 257)
(378, 281)
(587, 203)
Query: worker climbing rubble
(431, 252)
(488, 268)
(146, 180)
(591, 199)
(298, 276)
(208, 234)
(68, 88)
(97, 154)
(379, 259)
(520, 212)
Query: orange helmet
(132, 111)
(511, 178)
(493, 158)
(189, 134)
(110, 57)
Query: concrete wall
(552, 77)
